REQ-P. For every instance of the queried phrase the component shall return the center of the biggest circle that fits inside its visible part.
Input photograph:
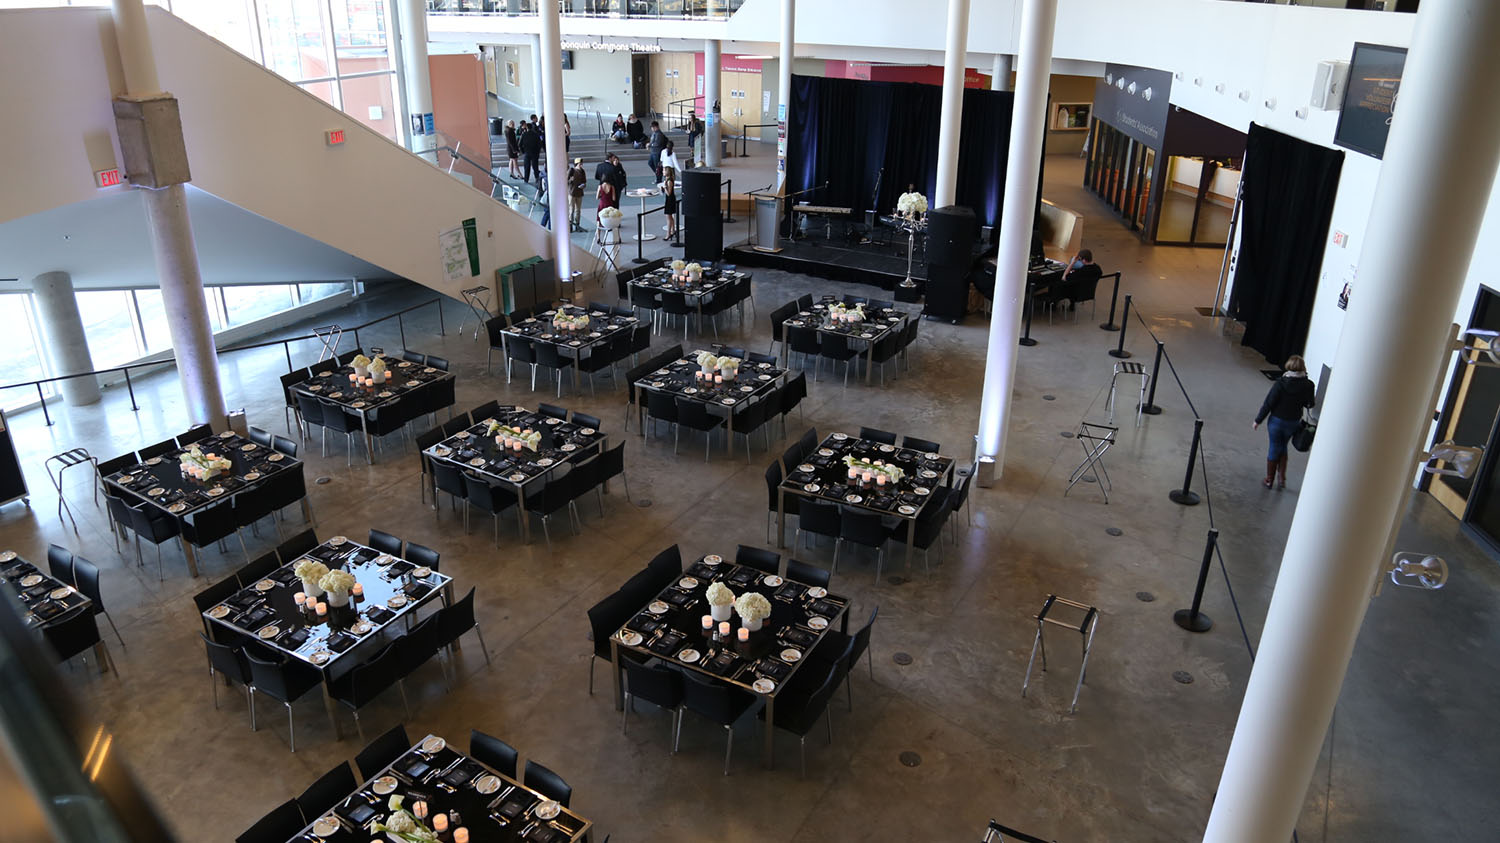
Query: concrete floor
(1139, 761)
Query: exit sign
(335, 137)
(108, 178)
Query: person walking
(512, 149)
(1282, 410)
(577, 180)
(617, 178)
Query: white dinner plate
(818, 623)
(518, 477)
(249, 447)
(690, 390)
(265, 585)
(385, 393)
(7, 556)
(337, 540)
(927, 474)
(487, 784)
(154, 461)
(893, 319)
(125, 478)
(806, 467)
(817, 592)
(712, 559)
(357, 404)
(728, 401)
(326, 826)
(772, 580)
(429, 370)
(335, 395)
(657, 608)
(747, 389)
(158, 490)
(177, 507)
(547, 809)
(553, 421)
(361, 626)
(825, 452)
(477, 461)
(30, 580)
(574, 343)
(269, 632)
(421, 573)
(404, 364)
(866, 335)
(252, 475)
(922, 490)
(545, 461)
(275, 458)
(630, 638)
(811, 487)
(433, 744)
(320, 657)
(906, 509)
(791, 655)
(689, 656)
(396, 601)
(462, 434)
(384, 559)
(228, 434)
(218, 611)
(441, 451)
(888, 448)
(853, 498)
(215, 491)
(384, 785)
(763, 377)
(764, 686)
(932, 456)
(688, 582)
(841, 436)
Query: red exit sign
(335, 137)
(108, 178)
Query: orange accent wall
(458, 110)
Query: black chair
(809, 574)
(260, 436)
(330, 789)
(491, 499)
(359, 687)
(695, 416)
(602, 358)
(644, 299)
(86, 576)
(60, 563)
(851, 300)
(790, 503)
(661, 686)
(640, 340)
(297, 545)
(385, 542)
(283, 445)
(866, 529)
(104, 468)
(213, 525)
(415, 649)
(733, 351)
(605, 618)
(457, 424)
(660, 407)
(778, 325)
(228, 662)
(552, 411)
(493, 753)
(457, 620)
(805, 301)
(803, 341)
(674, 303)
(885, 350)
(258, 570)
(279, 826)
(348, 357)
(820, 519)
(808, 443)
(163, 447)
(924, 445)
(836, 348)
(437, 363)
(584, 420)
(751, 417)
(494, 328)
(286, 488)
(424, 441)
(253, 504)
(284, 682)
(422, 556)
(548, 357)
(448, 479)
(520, 314)
(310, 411)
(338, 421)
(414, 357)
(958, 496)
(487, 410)
(382, 752)
(718, 703)
(547, 783)
(520, 350)
(322, 366)
(211, 597)
(791, 395)
(119, 517)
(884, 437)
(757, 357)
(289, 397)
(75, 634)
(761, 560)
(846, 649)
(798, 713)
(598, 307)
(198, 433)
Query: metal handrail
(591, 9)
(285, 343)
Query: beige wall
(1068, 89)
(458, 108)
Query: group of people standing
(526, 146)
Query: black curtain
(846, 132)
(1288, 192)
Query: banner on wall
(458, 249)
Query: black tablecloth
(562, 442)
(830, 475)
(251, 465)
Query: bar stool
(1084, 626)
(66, 460)
(1129, 369)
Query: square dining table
(48, 601)
(494, 807)
(394, 590)
(522, 470)
(405, 381)
(713, 281)
(877, 324)
(160, 482)
(754, 382)
(670, 628)
(824, 476)
(577, 344)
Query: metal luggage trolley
(997, 833)
(478, 299)
(1084, 626)
(66, 460)
(1095, 439)
(1129, 369)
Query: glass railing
(691, 9)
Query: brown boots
(1281, 468)
(1273, 469)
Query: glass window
(313, 292)
(323, 91)
(246, 304)
(295, 37)
(230, 21)
(107, 324)
(371, 101)
(359, 39)
(23, 350)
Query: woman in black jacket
(512, 149)
(1289, 396)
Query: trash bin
(237, 422)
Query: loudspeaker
(700, 192)
(703, 238)
(950, 236)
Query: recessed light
(755, 57)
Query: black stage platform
(842, 251)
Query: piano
(830, 212)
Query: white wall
(605, 79)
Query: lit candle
(460, 835)
(879, 481)
(853, 473)
(744, 634)
(724, 628)
(299, 598)
(419, 809)
(708, 621)
(440, 823)
(718, 378)
(358, 590)
(322, 608)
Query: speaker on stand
(951, 231)
(703, 223)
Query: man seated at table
(1078, 281)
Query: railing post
(1186, 496)
(401, 325)
(1193, 620)
(287, 348)
(1113, 296)
(130, 389)
(1119, 350)
(41, 395)
(356, 339)
(442, 329)
(1150, 408)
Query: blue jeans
(1280, 431)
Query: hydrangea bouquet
(403, 826)
(201, 466)
(753, 609)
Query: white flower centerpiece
(610, 218)
(694, 271)
(839, 312)
(515, 438)
(911, 212)
(361, 365)
(753, 610)
(707, 361)
(201, 466)
(677, 268)
(337, 583)
(378, 369)
(311, 572)
(911, 205)
(566, 322)
(869, 470)
(720, 601)
(402, 826)
(729, 367)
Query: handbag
(1302, 438)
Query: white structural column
(416, 71)
(172, 242)
(66, 343)
(713, 64)
(557, 147)
(950, 123)
(784, 84)
(1435, 180)
(1000, 73)
(1017, 213)
(538, 73)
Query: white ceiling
(105, 242)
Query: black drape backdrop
(1289, 187)
(844, 131)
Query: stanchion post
(1026, 339)
(1119, 350)
(1113, 296)
(42, 396)
(1193, 620)
(640, 244)
(442, 328)
(729, 202)
(1186, 496)
(131, 389)
(286, 348)
(401, 326)
(1150, 408)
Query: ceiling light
(755, 57)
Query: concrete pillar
(950, 123)
(1435, 180)
(1000, 73)
(784, 84)
(557, 149)
(538, 96)
(713, 63)
(1028, 123)
(416, 71)
(63, 337)
(172, 243)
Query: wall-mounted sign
(1370, 98)
(108, 178)
(612, 46)
(334, 136)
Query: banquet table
(48, 601)
(160, 482)
(495, 808)
(577, 344)
(713, 281)
(825, 477)
(670, 628)
(475, 450)
(406, 381)
(754, 382)
(878, 323)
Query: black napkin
(773, 668)
(679, 598)
(462, 774)
(801, 638)
(543, 834)
(790, 591)
(800, 477)
(360, 813)
(359, 557)
(722, 663)
(323, 552)
(254, 619)
(244, 599)
(823, 607)
(339, 642)
(516, 804)
(644, 624)
(882, 502)
(378, 614)
(285, 576)
(701, 571)
(47, 609)
(397, 568)
(742, 577)
(38, 590)
(667, 644)
(293, 640)
(414, 767)
(416, 590)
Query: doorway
(1469, 419)
(1198, 200)
(640, 90)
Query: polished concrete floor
(1408, 758)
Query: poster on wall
(458, 249)
(510, 73)
(1370, 98)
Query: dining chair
(60, 563)
(751, 417)
(846, 649)
(548, 357)
(336, 419)
(489, 498)
(422, 556)
(602, 358)
(808, 442)
(805, 301)
(382, 752)
(448, 479)
(494, 328)
(798, 713)
(159, 449)
(211, 597)
(926, 446)
(285, 488)
(285, 446)
(791, 397)
(258, 570)
(734, 351)
(348, 357)
(560, 493)
(866, 529)
(457, 620)
(87, 582)
(767, 561)
(196, 433)
(757, 357)
(228, 662)
(666, 567)
(310, 411)
(297, 545)
(674, 303)
(119, 517)
(958, 496)
(425, 441)
(283, 681)
(836, 349)
(660, 407)
(282, 824)
(435, 362)
(820, 519)
(660, 686)
(73, 634)
(585, 420)
(487, 410)
(455, 425)
(416, 357)
(415, 649)
(804, 341)
(808, 574)
(605, 618)
(384, 542)
(790, 504)
(493, 753)
(357, 688)
(552, 411)
(886, 349)
(547, 783)
(253, 504)
(260, 436)
(157, 529)
(520, 350)
(640, 340)
(873, 434)
(695, 416)
(330, 789)
(289, 408)
(716, 702)
(104, 468)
